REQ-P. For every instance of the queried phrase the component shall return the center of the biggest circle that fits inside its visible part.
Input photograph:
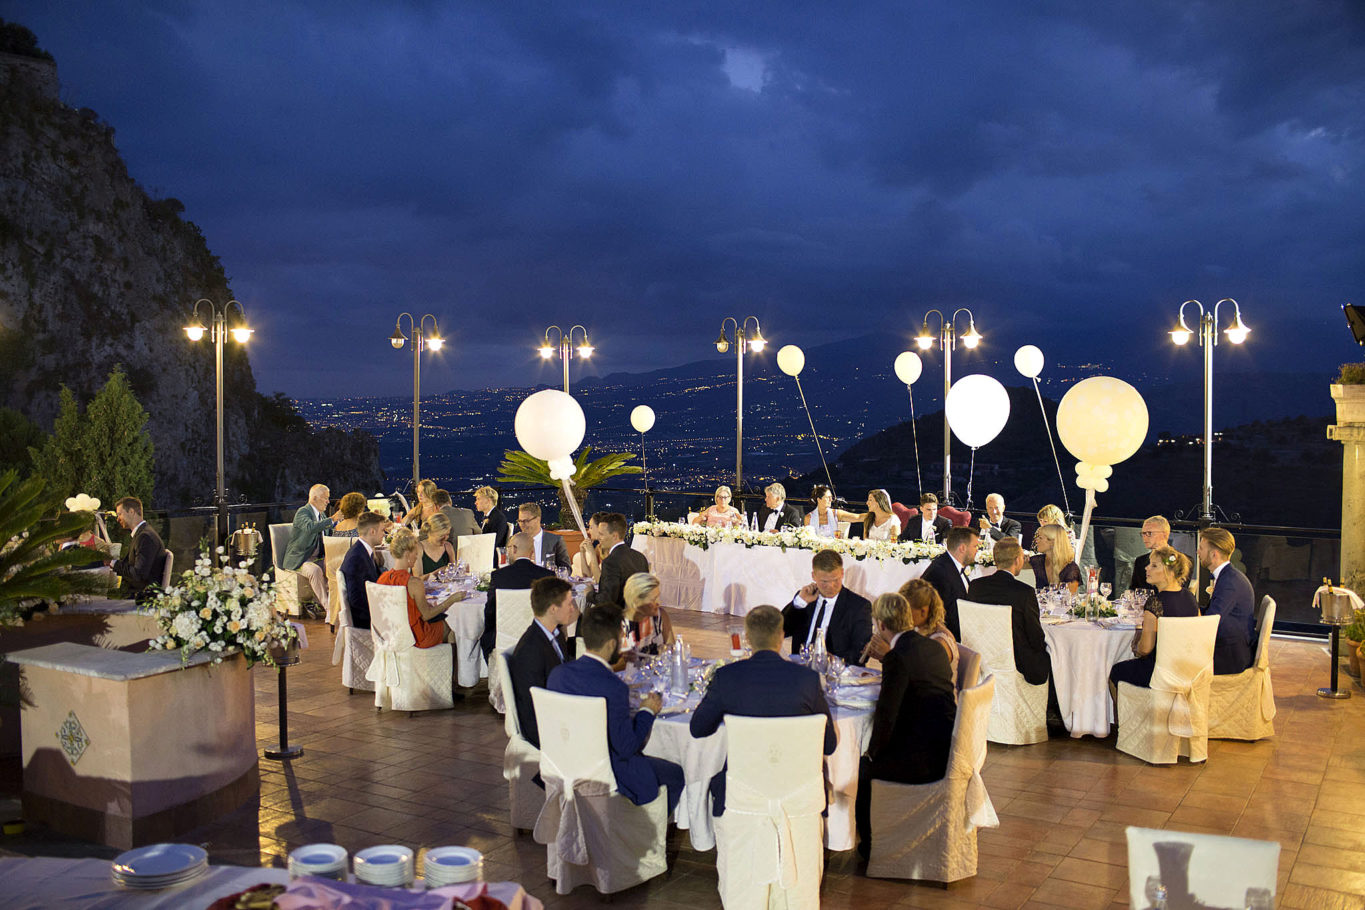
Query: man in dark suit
(638, 776)
(826, 604)
(518, 575)
(995, 525)
(948, 573)
(621, 561)
(765, 685)
(462, 522)
(930, 526)
(494, 522)
(1003, 587)
(912, 726)
(362, 564)
(542, 648)
(547, 546)
(1156, 533)
(142, 567)
(1232, 601)
(776, 513)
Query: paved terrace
(371, 777)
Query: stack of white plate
(452, 866)
(391, 865)
(159, 866)
(321, 860)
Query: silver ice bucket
(1336, 607)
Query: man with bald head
(304, 553)
(1156, 533)
(995, 525)
(521, 570)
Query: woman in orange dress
(427, 628)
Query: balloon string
(915, 432)
(1085, 523)
(818, 447)
(1053, 445)
(971, 472)
(573, 507)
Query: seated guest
(619, 563)
(646, 621)
(462, 523)
(424, 508)
(764, 685)
(304, 553)
(994, 523)
(1003, 587)
(437, 550)
(926, 613)
(1156, 533)
(1054, 563)
(1168, 577)
(638, 776)
(930, 526)
(348, 510)
(361, 564)
(587, 562)
(426, 619)
(776, 513)
(494, 521)
(1232, 601)
(1051, 515)
(912, 726)
(722, 514)
(824, 518)
(548, 546)
(518, 575)
(825, 604)
(879, 522)
(949, 571)
(140, 569)
(542, 648)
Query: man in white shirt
(776, 513)
(546, 544)
(825, 604)
(931, 527)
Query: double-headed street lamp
(743, 342)
(417, 334)
(564, 345)
(947, 341)
(1208, 339)
(218, 331)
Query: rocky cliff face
(94, 273)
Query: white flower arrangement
(803, 538)
(221, 610)
(381, 506)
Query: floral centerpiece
(802, 538)
(220, 609)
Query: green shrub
(1351, 374)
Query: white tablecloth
(1083, 653)
(733, 578)
(466, 618)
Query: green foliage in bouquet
(519, 467)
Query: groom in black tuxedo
(826, 604)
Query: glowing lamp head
(241, 334)
(1238, 331)
(722, 342)
(435, 343)
(1181, 336)
(585, 350)
(758, 342)
(973, 337)
(398, 339)
(924, 339)
(546, 351)
(195, 332)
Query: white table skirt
(466, 618)
(1083, 653)
(732, 578)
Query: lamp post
(947, 341)
(1208, 339)
(218, 331)
(417, 334)
(743, 342)
(565, 347)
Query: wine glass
(1105, 589)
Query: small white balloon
(550, 426)
(791, 360)
(642, 418)
(909, 367)
(977, 408)
(1028, 360)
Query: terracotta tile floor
(372, 777)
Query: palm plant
(519, 467)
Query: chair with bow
(1019, 710)
(968, 667)
(1243, 706)
(354, 648)
(928, 831)
(1171, 718)
(291, 588)
(405, 677)
(592, 834)
(512, 617)
(333, 552)
(770, 842)
(520, 763)
(476, 550)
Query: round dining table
(1082, 655)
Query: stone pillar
(1349, 430)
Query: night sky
(1071, 171)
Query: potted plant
(1352, 636)
(519, 467)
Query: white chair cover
(968, 667)
(928, 831)
(592, 834)
(512, 616)
(1243, 706)
(477, 550)
(1019, 710)
(405, 677)
(520, 763)
(770, 841)
(354, 648)
(1221, 870)
(167, 569)
(333, 552)
(291, 588)
(1171, 718)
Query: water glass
(1106, 589)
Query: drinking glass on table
(1106, 588)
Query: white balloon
(1102, 421)
(642, 418)
(82, 502)
(1028, 360)
(550, 426)
(908, 367)
(977, 407)
(791, 360)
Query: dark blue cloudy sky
(1070, 170)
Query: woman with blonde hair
(722, 514)
(348, 511)
(1055, 562)
(1051, 515)
(426, 619)
(437, 550)
(926, 613)
(645, 619)
(424, 508)
(1169, 572)
(879, 522)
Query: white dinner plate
(318, 858)
(159, 861)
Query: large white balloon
(550, 425)
(1102, 421)
(82, 502)
(642, 418)
(908, 367)
(977, 407)
(1028, 360)
(791, 360)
